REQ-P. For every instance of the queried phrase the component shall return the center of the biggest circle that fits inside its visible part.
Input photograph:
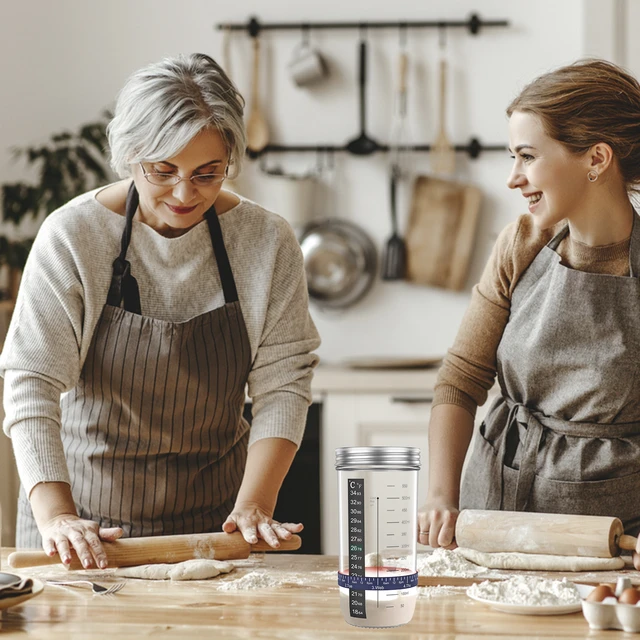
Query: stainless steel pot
(340, 261)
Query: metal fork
(96, 588)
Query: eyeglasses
(172, 179)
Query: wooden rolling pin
(546, 533)
(130, 552)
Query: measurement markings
(393, 521)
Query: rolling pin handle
(628, 543)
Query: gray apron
(564, 436)
(153, 433)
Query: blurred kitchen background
(63, 63)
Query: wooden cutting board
(441, 232)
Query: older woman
(145, 309)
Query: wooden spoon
(257, 128)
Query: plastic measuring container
(377, 497)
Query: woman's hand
(636, 556)
(64, 532)
(253, 522)
(437, 524)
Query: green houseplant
(67, 164)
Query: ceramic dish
(38, 587)
(529, 609)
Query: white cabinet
(364, 420)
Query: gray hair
(163, 106)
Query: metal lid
(400, 458)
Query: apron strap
(124, 290)
(554, 243)
(222, 259)
(634, 248)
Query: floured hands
(254, 522)
(65, 532)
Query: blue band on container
(371, 583)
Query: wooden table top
(306, 611)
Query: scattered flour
(527, 590)
(440, 592)
(443, 562)
(262, 578)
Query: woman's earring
(592, 176)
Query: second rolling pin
(545, 533)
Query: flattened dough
(540, 562)
(187, 570)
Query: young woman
(557, 316)
(149, 306)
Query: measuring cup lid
(399, 458)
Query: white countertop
(336, 379)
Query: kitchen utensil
(547, 533)
(363, 145)
(340, 262)
(307, 65)
(95, 587)
(226, 51)
(443, 155)
(378, 511)
(130, 552)
(257, 127)
(394, 262)
(441, 232)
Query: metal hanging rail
(474, 23)
(474, 148)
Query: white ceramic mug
(307, 66)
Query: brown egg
(629, 596)
(600, 593)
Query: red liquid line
(388, 570)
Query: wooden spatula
(443, 154)
(257, 127)
(130, 552)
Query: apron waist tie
(518, 413)
(535, 423)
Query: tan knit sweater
(469, 369)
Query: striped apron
(153, 433)
(564, 436)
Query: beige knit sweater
(64, 288)
(469, 368)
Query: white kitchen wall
(63, 62)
